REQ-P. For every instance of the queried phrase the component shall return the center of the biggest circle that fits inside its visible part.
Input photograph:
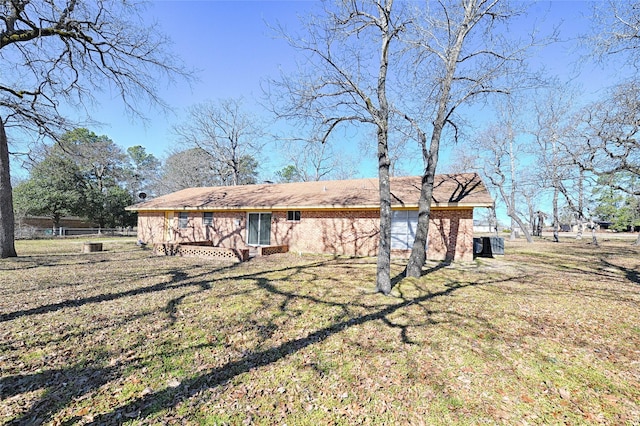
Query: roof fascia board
(439, 206)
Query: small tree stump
(91, 247)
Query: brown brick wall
(151, 227)
(227, 230)
(451, 235)
(332, 232)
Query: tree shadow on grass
(402, 275)
(178, 279)
(170, 397)
(631, 274)
(62, 386)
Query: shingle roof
(449, 191)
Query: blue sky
(233, 48)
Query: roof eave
(312, 207)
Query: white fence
(28, 232)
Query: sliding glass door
(259, 229)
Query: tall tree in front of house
(57, 54)
(462, 55)
(347, 52)
(225, 132)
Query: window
(403, 228)
(183, 219)
(207, 219)
(293, 215)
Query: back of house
(339, 217)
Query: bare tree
(616, 31)
(610, 135)
(610, 132)
(224, 131)
(344, 80)
(612, 146)
(462, 56)
(555, 148)
(185, 169)
(500, 156)
(312, 159)
(59, 53)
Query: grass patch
(546, 335)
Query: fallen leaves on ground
(548, 334)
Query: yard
(549, 334)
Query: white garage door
(403, 229)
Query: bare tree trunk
(7, 220)
(532, 214)
(580, 205)
(454, 82)
(556, 219)
(383, 271)
(511, 209)
(523, 227)
(418, 251)
(235, 169)
(637, 243)
(594, 239)
(580, 228)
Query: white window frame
(296, 215)
(248, 233)
(404, 224)
(183, 220)
(207, 221)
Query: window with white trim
(293, 215)
(183, 219)
(403, 229)
(207, 218)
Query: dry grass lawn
(549, 334)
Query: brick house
(334, 217)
